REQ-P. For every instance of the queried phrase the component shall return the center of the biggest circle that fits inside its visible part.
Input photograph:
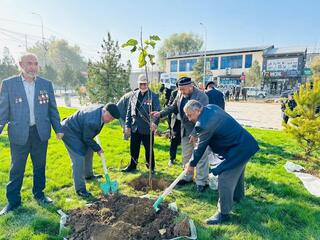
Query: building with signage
(225, 67)
(283, 68)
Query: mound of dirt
(142, 184)
(121, 217)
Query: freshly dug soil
(121, 217)
(142, 184)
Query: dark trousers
(175, 140)
(135, 142)
(19, 154)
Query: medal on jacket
(43, 97)
(18, 100)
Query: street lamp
(205, 53)
(44, 47)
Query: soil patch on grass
(123, 217)
(142, 184)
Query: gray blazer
(186, 125)
(14, 110)
(139, 120)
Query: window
(248, 62)
(174, 66)
(213, 63)
(186, 65)
(231, 62)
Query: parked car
(285, 94)
(255, 92)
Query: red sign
(243, 77)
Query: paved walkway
(259, 115)
(252, 114)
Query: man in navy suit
(79, 132)
(215, 96)
(217, 129)
(138, 123)
(28, 105)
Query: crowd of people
(197, 121)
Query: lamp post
(44, 47)
(205, 54)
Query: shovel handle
(173, 184)
(103, 159)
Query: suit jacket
(225, 136)
(81, 128)
(216, 97)
(14, 110)
(122, 105)
(186, 125)
(138, 119)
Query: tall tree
(58, 53)
(108, 78)
(66, 77)
(197, 73)
(254, 77)
(49, 72)
(178, 43)
(7, 65)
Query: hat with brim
(142, 79)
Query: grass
(276, 205)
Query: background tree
(58, 54)
(305, 123)
(197, 73)
(49, 72)
(7, 65)
(178, 43)
(254, 77)
(66, 77)
(108, 78)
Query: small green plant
(305, 118)
(144, 58)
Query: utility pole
(26, 39)
(205, 54)
(43, 43)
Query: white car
(255, 92)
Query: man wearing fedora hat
(79, 132)
(139, 125)
(188, 92)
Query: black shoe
(129, 168)
(218, 218)
(84, 193)
(9, 207)
(183, 182)
(44, 200)
(93, 177)
(201, 188)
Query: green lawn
(276, 205)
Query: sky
(227, 23)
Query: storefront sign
(282, 64)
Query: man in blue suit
(215, 96)
(79, 132)
(217, 129)
(28, 105)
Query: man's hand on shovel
(100, 152)
(188, 168)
